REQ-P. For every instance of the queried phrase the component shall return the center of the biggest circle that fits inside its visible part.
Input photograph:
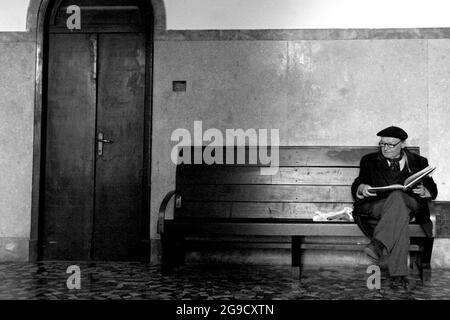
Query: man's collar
(384, 162)
(402, 160)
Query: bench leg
(180, 250)
(420, 261)
(296, 254)
(426, 258)
(415, 262)
(168, 249)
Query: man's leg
(392, 229)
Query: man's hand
(363, 191)
(421, 191)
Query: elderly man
(393, 210)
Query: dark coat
(373, 171)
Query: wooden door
(94, 201)
(70, 148)
(120, 117)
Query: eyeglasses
(388, 145)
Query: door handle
(100, 141)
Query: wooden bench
(236, 200)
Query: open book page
(387, 188)
(418, 176)
(409, 182)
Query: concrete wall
(319, 87)
(17, 81)
(439, 111)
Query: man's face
(387, 150)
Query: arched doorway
(95, 124)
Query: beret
(393, 132)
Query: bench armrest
(433, 217)
(162, 210)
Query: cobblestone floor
(47, 280)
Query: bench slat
(273, 229)
(198, 175)
(266, 193)
(304, 156)
(256, 209)
(304, 246)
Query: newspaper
(342, 215)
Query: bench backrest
(308, 179)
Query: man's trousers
(393, 214)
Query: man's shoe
(395, 282)
(374, 249)
(402, 282)
(408, 284)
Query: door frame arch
(36, 19)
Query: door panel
(69, 189)
(120, 117)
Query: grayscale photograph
(224, 158)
